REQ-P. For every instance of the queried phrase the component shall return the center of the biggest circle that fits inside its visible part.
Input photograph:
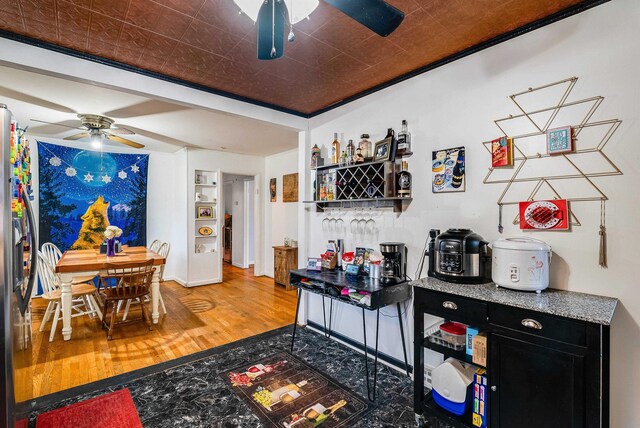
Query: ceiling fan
(96, 127)
(377, 15)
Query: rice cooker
(521, 264)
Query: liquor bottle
(404, 140)
(330, 187)
(404, 181)
(359, 157)
(393, 144)
(457, 176)
(335, 149)
(344, 159)
(366, 147)
(351, 152)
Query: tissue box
(471, 333)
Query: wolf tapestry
(81, 192)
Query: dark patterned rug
(191, 391)
(286, 392)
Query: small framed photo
(382, 150)
(314, 263)
(205, 212)
(559, 140)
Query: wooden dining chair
(122, 282)
(83, 301)
(163, 250)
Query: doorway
(239, 217)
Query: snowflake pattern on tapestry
(81, 192)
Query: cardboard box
(471, 333)
(480, 349)
(480, 399)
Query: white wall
(281, 217)
(160, 191)
(233, 164)
(455, 105)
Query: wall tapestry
(81, 192)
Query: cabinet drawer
(454, 307)
(538, 324)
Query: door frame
(258, 232)
(247, 198)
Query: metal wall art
(569, 156)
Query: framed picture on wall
(272, 189)
(205, 211)
(559, 140)
(382, 150)
(447, 170)
(290, 187)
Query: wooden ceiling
(333, 59)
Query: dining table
(75, 263)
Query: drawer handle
(529, 323)
(449, 305)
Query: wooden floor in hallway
(198, 318)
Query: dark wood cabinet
(535, 386)
(543, 369)
(285, 259)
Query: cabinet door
(535, 386)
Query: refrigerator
(18, 256)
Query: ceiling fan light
(301, 8)
(249, 7)
(96, 140)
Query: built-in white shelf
(206, 219)
(210, 236)
(206, 185)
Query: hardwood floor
(198, 318)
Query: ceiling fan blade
(145, 108)
(26, 98)
(124, 141)
(60, 124)
(271, 29)
(120, 130)
(377, 15)
(77, 136)
(159, 137)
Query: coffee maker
(394, 263)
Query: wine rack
(370, 184)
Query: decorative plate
(205, 231)
(544, 215)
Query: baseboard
(238, 265)
(385, 358)
(204, 282)
(176, 279)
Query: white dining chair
(83, 300)
(154, 246)
(52, 254)
(163, 250)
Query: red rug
(113, 410)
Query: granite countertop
(568, 304)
